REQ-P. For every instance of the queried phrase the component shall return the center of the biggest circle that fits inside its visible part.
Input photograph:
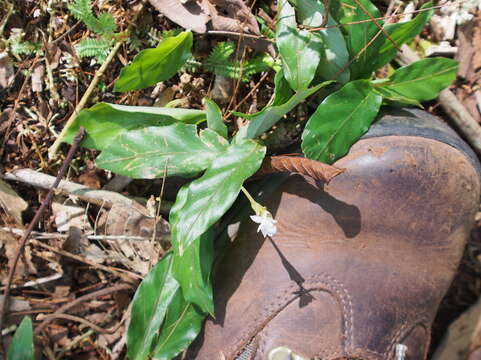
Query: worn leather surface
(356, 266)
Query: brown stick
(94, 295)
(36, 219)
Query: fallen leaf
(315, 169)
(37, 78)
(192, 15)
(67, 216)
(11, 203)
(6, 70)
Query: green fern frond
(107, 23)
(220, 55)
(82, 10)
(98, 48)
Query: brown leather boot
(358, 267)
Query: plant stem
(52, 151)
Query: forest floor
(77, 284)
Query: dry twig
(3, 305)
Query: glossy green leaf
(282, 90)
(215, 121)
(21, 347)
(333, 64)
(266, 118)
(149, 307)
(299, 49)
(103, 122)
(202, 202)
(182, 325)
(401, 33)
(192, 270)
(153, 65)
(360, 34)
(392, 95)
(148, 152)
(424, 79)
(340, 120)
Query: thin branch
(68, 306)
(309, 28)
(23, 241)
(52, 151)
(86, 322)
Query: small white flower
(267, 225)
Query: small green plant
(220, 62)
(174, 298)
(19, 46)
(103, 25)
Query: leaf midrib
(396, 84)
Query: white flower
(267, 225)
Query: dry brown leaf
(231, 18)
(239, 17)
(192, 15)
(37, 78)
(6, 70)
(67, 216)
(11, 203)
(315, 169)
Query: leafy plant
(220, 62)
(103, 25)
(21, 347)
(19, 46)
(176, 295)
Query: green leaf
(335, 57)
(215, 121)
(360, 34)
(267, 117)
(422, 80)
(202, 202)
(107, 23)
(182, 325)
(153, 65)
(82, 10)
(149, 307)
(341, 119)
(104, 122)
(146, 153)
(193, 269)
(299, 49)
(392, 95)
(282, 90)
(98, 48)
(21, 347)
(401, 33)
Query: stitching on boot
(320, 282)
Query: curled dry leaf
(232, 18)
(6, 70)
(315, 169)
(192, 15)
(11, 203)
